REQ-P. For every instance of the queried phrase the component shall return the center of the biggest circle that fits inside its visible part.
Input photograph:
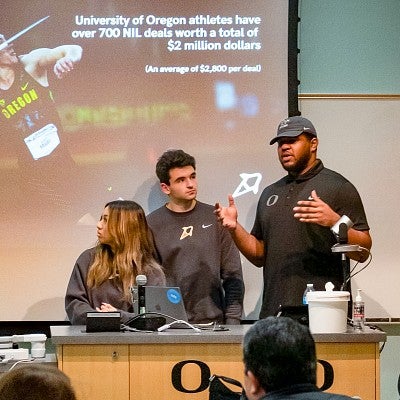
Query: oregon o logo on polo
(272, 200)
(174, 296)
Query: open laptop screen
(164, 300)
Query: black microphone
(343, 235)
(342, 246)
(141, 321)
(141, 281)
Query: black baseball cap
(293, 127)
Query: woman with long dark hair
(103, 275)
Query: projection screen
(210, 77)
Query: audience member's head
(36, 382)
(277, 353)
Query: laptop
(164, 300)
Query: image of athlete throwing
(31, 128)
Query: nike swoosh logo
(206, 226)
(25, 86)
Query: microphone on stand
(343, 247)
(340, 230)
(343, 233)
(143, 321)
(141, 281)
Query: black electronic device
(141, 281)
(298, 313)
(103, 321)
(147, 322)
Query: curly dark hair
(172, 159)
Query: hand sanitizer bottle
(358, 313)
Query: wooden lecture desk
(177, 363)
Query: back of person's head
(279, 352)
(127, 226)
(172, 159)
(36, 382)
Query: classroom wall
(349, 46)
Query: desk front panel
(176, 371)
(97, 371)
(181, 370)
(355, 368)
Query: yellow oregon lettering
(19, 103)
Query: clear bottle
(309, 288)
(358, 313)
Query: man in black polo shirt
(297, 219)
